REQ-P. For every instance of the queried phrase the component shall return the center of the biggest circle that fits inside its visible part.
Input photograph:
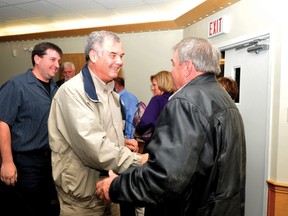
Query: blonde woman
(162, 86)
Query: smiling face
(46, 66)
(108, 65)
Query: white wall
(145, 54)
(11, 66)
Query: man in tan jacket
(86, 130)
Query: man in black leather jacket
(197, 163)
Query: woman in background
(162, 88)
(230, 86)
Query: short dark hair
(120, 81)
(40, 50)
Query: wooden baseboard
(277, 198)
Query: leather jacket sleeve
(180, 135)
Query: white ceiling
(30, 16)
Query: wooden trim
(153, 26)
(277, 198)
(205, 9)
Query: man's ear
(188, 68)
(92, 56)
(36, 59)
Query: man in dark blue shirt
(24, 150)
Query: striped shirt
(24, 106)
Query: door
(250, 69)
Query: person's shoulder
(15, 83)
(60, 82)
(167, 94)
(156, 98)
(19, 77)
(131, 95)
(154, 101)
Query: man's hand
(102, 187)
(8, 170)
(145, 158)
(132, 144)
(8, 174)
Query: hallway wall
(146, 53)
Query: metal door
(249, 65)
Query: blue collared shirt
(130, 101)
(25, 106)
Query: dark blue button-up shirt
(25, 106)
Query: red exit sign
(217, 27)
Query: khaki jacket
(80, 146)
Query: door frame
(268, 145)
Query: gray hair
(65, 64)
(95, 42)
(201, 53)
